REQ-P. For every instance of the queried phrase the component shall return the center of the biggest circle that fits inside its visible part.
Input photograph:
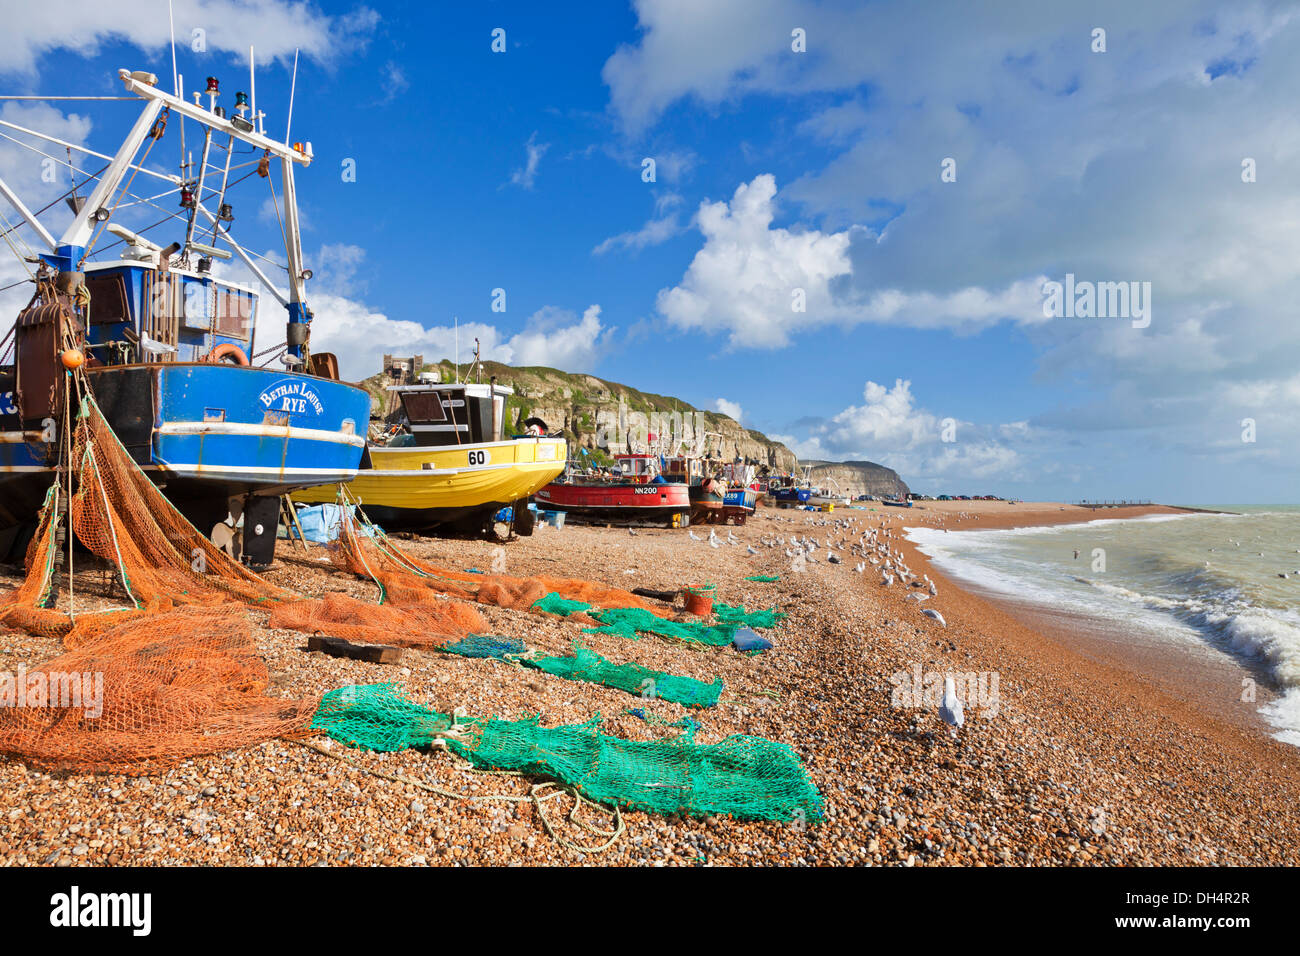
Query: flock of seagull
(869, 547)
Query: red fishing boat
(634, 493)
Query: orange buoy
(72, 359)
(228, 353)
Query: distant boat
(895, 504)
(637, 494)
(707, 492)
(802, 492)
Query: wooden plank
(370, 653)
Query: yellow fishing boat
(444, 462)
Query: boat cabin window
(421, 407)
(452, 416)
(234, 313)
(107, 300)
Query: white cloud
(394, 82)
(660, 229)
(37, 170)
(275, 27)
(758, 283)
(731, 409)
(526, 174)
(547, 340)
(360, 335)
(889, 428)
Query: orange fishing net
(146, 695)
(161, 560)
(24, 607)
(404, 580)
(120, 515)
(425, 625)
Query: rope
(536, 795)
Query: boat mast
(144, 85)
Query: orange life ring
(227, 351)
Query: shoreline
(1208, 677)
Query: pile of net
(563, 607)
(420, 625)
(742, 618)
(763, 578)
(587, 665)
(481, 646)
(159, 559)
(147, 694)
(750, 778)
(631, 623)
(364, 550)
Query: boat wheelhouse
(707, 491)
(741, 497)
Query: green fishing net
(481, 645)
(748, 777)
(587, 665)
(376, 717)
(739, 616)
(765, 578)
(554, 604)
(630, 622)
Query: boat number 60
(478, 458)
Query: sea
(1192, 584)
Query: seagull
(934, 591)
(752, 550)
(713, 542)
(950, 708)
(694, 536)
(887, 580)
(860, 567)
(935, 615)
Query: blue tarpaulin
(321, 523)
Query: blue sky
(778, 171)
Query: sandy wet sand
(1080, 761)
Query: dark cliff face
(858, 478)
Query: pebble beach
(1081, 760)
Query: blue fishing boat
(741, 498)
(167, 346)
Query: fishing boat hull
(619, 502)
(789, 497)
(206, 434)
(454, 487)
(739, 503)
